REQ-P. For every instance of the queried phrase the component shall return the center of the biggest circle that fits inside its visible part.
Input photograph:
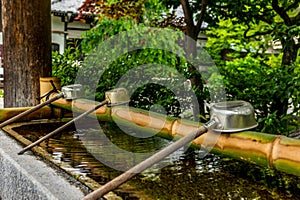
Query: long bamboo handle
(63, 127)
(27, 112)
(116, 182)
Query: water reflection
(187, 176)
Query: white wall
(58, 32)
(76, 28)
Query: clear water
(186, 175)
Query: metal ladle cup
(233, 116)
(225, 117)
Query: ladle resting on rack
(231, 116)
(112, 97)
(67, 93)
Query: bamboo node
(273, 155)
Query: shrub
(65, 66)
(264, 86)
(172, 67)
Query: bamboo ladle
(231, 116)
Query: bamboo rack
(273, 151)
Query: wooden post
(27, 49)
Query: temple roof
(65, 5)
(62, 8)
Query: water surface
(186, 175)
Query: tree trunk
(290, 52)
(281, 101)
(195, 77)
(191, 45)
(27, 49)
(192, 31)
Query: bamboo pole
(31, 110)
(43, 113)
(274, 151)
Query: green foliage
(1, 93)
(168, 68)
(152, 13)
(103, 30)
(252, 75)
(245, 31)
(268, 21)
(154, 9)
(65, 66)
(251, 79)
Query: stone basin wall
(27, 177)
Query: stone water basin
(186, 174)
